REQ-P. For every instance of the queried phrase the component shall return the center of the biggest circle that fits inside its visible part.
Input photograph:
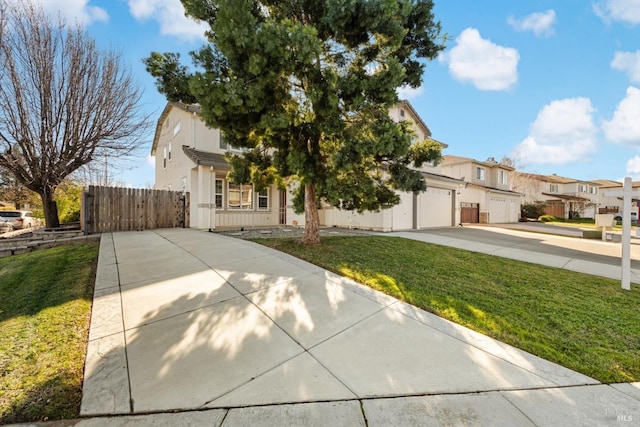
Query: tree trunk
(50, 209)
(311, 218)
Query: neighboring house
(563, 197)
(190, 158)
(613, 204)
(487, 198)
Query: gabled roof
(494, 190)
(456, 160)
(191, 108)
(569, 197)
(406, 104)
(206, 158)
(557, 179)
(607, 183)
(444, 178)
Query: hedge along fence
(106, 209)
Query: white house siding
(435, 208)
(347, 219)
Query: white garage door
(436, 208)
(403, 212)
(502, 210)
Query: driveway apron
(188, 320)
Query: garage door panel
(436, 208)
(502, 210)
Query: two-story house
(487, 197)
(189, 157)
(564, 197)
(613, 204)
(436, 207)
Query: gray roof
(206, 158)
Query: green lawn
(583, 322)
(45, 307)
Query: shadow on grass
(55, 398)
(30, 283)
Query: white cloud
(618, 10)
(629, 62)
(563, 132)
(624, 127)
(481, 62)
(407, 92)
(540, 23)
(75, 10)
(633, 166)
(170, 16)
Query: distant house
(487, 197)
(189, 157)
(613, 204)
(563, 197)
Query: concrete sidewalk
(590, 256)
(192, 328)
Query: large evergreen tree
(306, 87)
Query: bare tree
(63, 101)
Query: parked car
(5, 225)
(634, 216)
(20, 219)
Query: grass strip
(45, 308)
(583, 322)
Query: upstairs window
(503, 177)
(225, 146)
(176, 129)
(169, 156)
(593, 190)
(164, 157)
(480, 174)
(553, 188)
(582, 188)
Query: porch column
(212, 203)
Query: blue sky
(554, 84)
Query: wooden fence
(106, 209)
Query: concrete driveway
(193, 328)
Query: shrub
(532, 210)
(547, 218)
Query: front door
(283, 208)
